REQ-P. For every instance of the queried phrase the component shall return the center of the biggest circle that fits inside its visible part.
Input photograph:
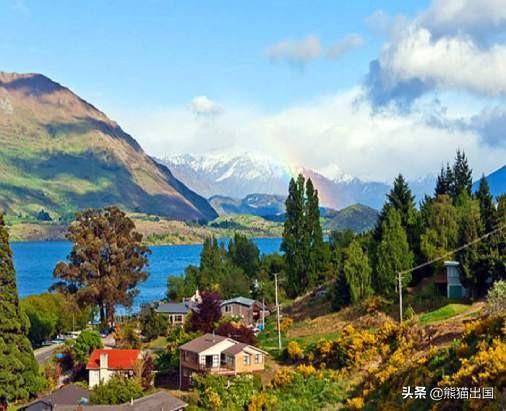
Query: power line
(442, 257)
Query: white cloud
(326, 131)
(297, 52)
(204, 106)
(350, 42)
(301, 52)
(453, 45)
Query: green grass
(443, 313)
(159, 343)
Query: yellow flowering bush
(294, 351)
(306, 370)
(285, 324)
(283, 376)
(262, 401)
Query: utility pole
(263, 313)
(399, 277)
(277, 310)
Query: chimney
(104, 363)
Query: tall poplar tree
(294, 242)
(19, 377)
(394, 255)
(357, 272)
(315, 246)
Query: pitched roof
(248, 302)
(116, 359)
(203, 342)
(70, 394)
(235, 349)
(155, 402)
(172, 308)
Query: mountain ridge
(60, 153)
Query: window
(258, 358)
(179, 318)
(246, 359)
(228, 308)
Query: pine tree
(487, 210)
(461, 177)
(357, 272)
(18, 369)
(294, 244)
(443, 182)
(394, 255)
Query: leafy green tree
(106, 263)
(294, 238)
(118, 390)
(304, 250)
(84, 345)
(357, 272)
(317, 252)
(468, 231)
(394, 255)
(440, 228)
(126, 336)
(19, 374)
(244, 253)
(152, 324)
(51, 314)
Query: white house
(105, 363)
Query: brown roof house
(247, 309)
(219, 355)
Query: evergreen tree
(394, 255)
(468, 231)
(244, 253)
(341, 293)
(444, 181)
(294, 242)
(461, 177)
(19, 375)
(487, 210)
(357, 273)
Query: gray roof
(67, 395)
(159, 401)
(172, 308)
(248, 302)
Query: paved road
(43, 354)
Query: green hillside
(357, 217)
(61, 154)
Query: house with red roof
(105, 363)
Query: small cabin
(448, 281)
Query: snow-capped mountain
(237, 174)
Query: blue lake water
(35, 260)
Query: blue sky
(360, 86)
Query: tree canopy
(106, 263)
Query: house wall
(104, 375)
(239, 310)
(240, 367)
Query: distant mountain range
(59, 153)
(236, 174)
(271, 207)
(496, 181)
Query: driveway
(44, 353)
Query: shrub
(285, 324)
(152, 324)
(117, 390)
(126, 336)
(238, 332)
(496, 298)
(294, 351)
